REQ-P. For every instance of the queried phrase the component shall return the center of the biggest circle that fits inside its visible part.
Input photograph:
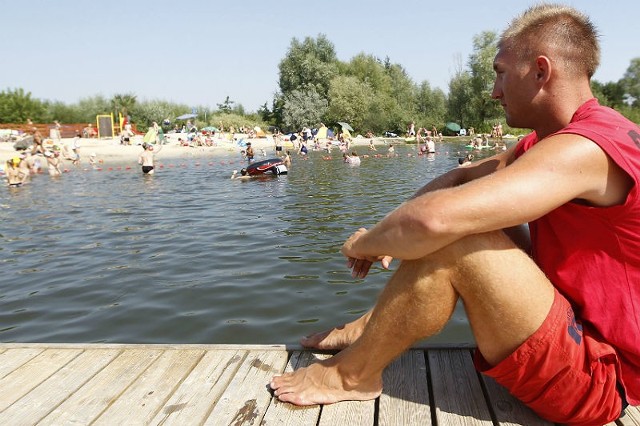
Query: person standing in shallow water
(553, 311)
(249, 152)
(287, 159)
(147, 158)
(14, 174)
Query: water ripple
(188, 256)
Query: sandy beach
(110, 151)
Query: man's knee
(479, 263)
(485, 245)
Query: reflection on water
(189, 256)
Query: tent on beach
(324, 133)
(259, 132)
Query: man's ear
(543, 69)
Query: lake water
(189, 256)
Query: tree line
(314, 87)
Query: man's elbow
(434, 226)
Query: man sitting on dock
(555, 316)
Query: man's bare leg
(340, 337)
(418, 289)
(506, 298)
(337, 337)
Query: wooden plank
(150, 346)
(347, 412)
(204, 346)
(11, 359)
(507, 409)
(195, 398)
(157, 384)
(95, 396)
(29, 375)
(457, 393)
(405, 399)
(631, 418)
(350, 413)
(47, 396)
(145, 397)
(282, 413)
(246, 399)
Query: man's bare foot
(337, 337)
(322, 383)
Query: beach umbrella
(454, 127)
(345, 126)
(210, 129)
(186, 116)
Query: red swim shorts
(562, 372)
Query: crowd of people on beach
(42, 155)
(57, 156)
(50, 154)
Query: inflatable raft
(271, 166)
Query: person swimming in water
(244, 175)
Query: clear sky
(197, 52)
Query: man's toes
(278, 382)
(294, 398)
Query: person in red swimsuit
(554, 309)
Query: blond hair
(563, 33)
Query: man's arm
(453, 178)
(557, 170)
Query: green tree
(431, 105)
(631, 82)
(483, 109)
(62, 112)
(16, 106)
(402, 87)
(226, 106)
(89, 107)
(350, 100)
(402, 110)
(123, 103)
(277, 108)
(304, 107)
(311, 63)
(265, 113)
(611, 94)
(368, 69)
(459, 97)
(383, 111)
(145, 113)
(632, 113)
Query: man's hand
(357, 262)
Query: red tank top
(591, 254)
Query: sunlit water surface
(189, 256)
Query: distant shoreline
(110, 151)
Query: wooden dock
(106, 384)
